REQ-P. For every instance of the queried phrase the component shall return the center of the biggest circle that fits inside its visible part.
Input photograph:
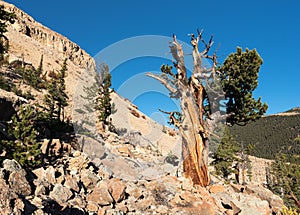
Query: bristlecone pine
(193, 97)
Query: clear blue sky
(272, 27)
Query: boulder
(100, 195)
(60, 194)
(71, 182)
(275, 201)
(7, 197)
(251, 205)
(88, 179)
(49, 175)
(205, 209)
(117, 189)
(17, 177)
(18, 182)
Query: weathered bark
(191, 94)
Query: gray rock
(11, 165)
(17, 177)
(60, 194)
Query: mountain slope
(272, 134)
(134, 172)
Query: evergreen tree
(284, 180)
(103, 100)
(50, 99)
(62, 96)
(4, 18)
(225, 155)
(57, 99)
(239, 78)
(23, 146)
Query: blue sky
(272, 27)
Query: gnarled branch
(162, 80)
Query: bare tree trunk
(191, 123)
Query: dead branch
(177, 53)
(165, 82)
(176, 121)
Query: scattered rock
(77, 202)
(125, 151)
(77, 164)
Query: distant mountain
(273, 134)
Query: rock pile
(74, 185)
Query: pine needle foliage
(57, 99)
(23, 145)
(225, 155)
(5, 17)
(103, 100)
(239, 79)
(284, 180)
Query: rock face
(47, 39)
(29, 40)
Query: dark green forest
(271, 135)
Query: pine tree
(62, 96)
(284, 180)
(23, 146)
(50, 99)
(4, 18)
(57, 99)
(226, 155)
(103, 100)
(239, 79)
(39, 70)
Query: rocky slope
(137, 171)
(75, 185)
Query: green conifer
(5, 17)
(225, 155)
(239, 79)
(23, 146)
(103, 100)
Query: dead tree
(195, 106)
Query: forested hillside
(272, 134)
